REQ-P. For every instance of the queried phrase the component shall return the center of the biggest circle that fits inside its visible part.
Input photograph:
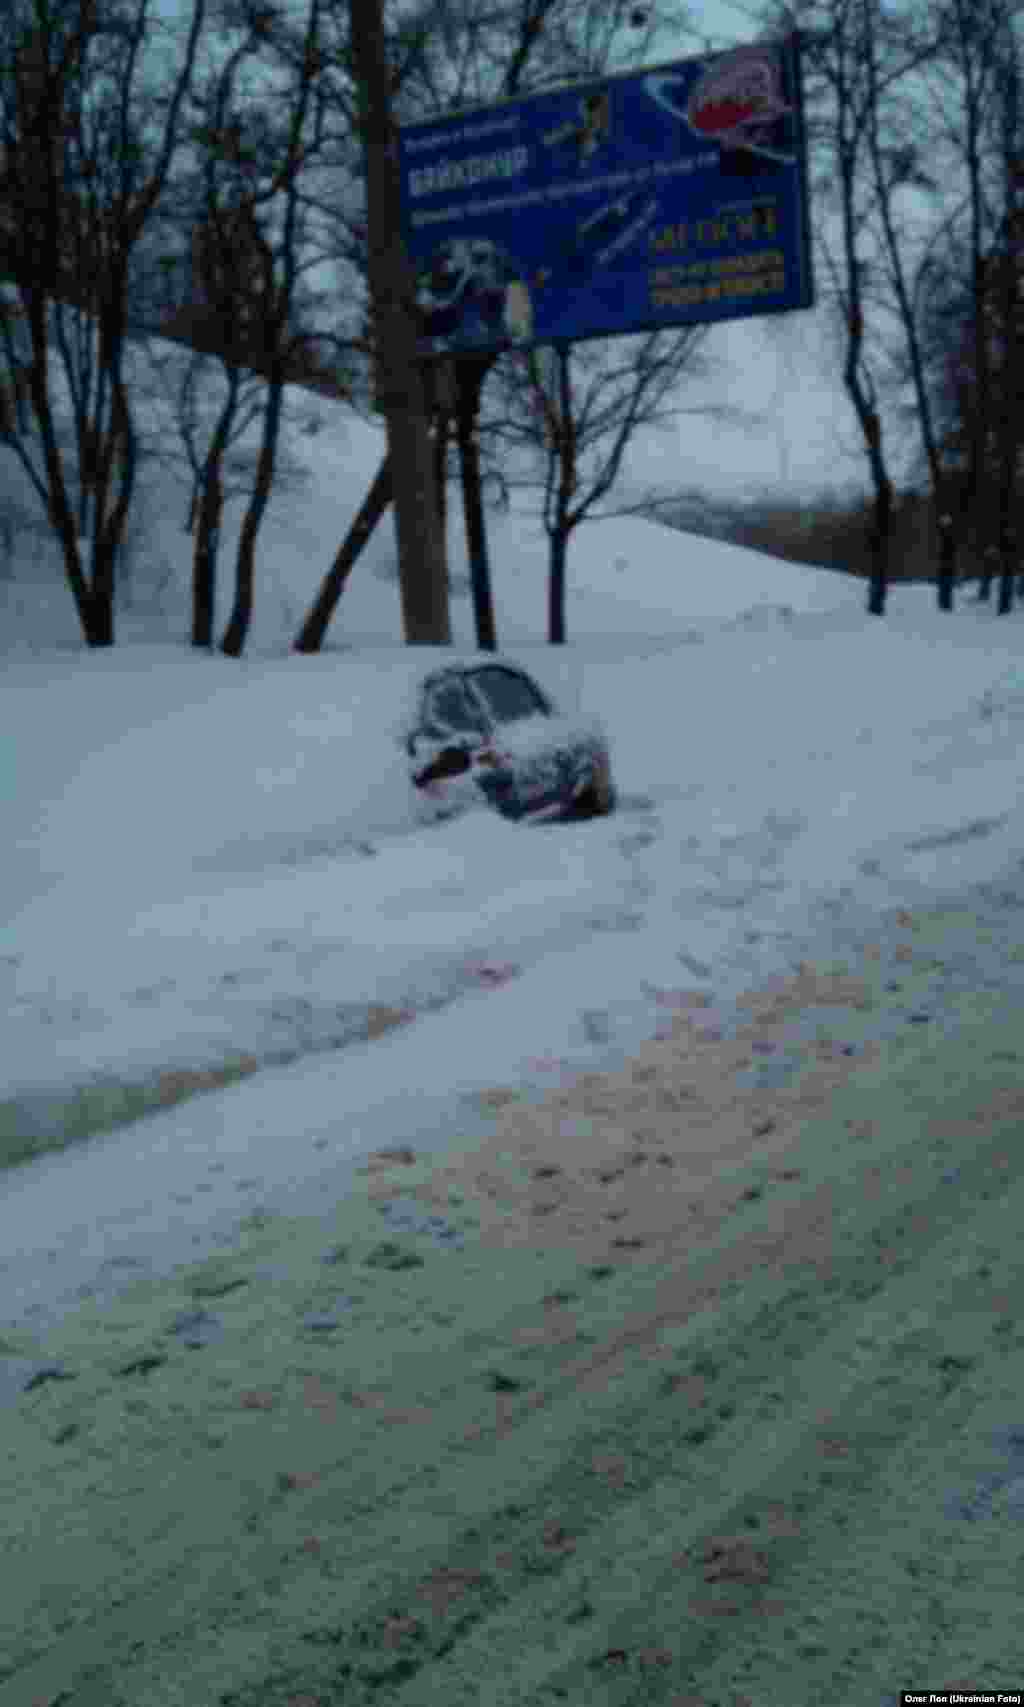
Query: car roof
(465, 672)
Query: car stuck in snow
(489, 730)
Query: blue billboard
(663, 197)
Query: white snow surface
(206, 857)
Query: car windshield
(507, 695)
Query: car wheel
(599, 799)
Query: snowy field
(214, 866)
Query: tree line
(229, 177)
(916, 153)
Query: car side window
(508, 695)
(448, 706)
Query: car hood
(528, 737)
(532, 737)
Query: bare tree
(207, 409)
(965, 51)
(904, 103)
(838, 48)
(247, 265)
(898, 151)
(241, 302)
(948, 298)
(977, 417)
(227, 251)
(572, 412)
(88, 130)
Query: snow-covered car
(488, 729)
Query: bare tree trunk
(881, 531)
(311, 634)
(1008, 547)
(559, 549)
(206, 515)
(469, 381)
(559, 532)
(1009, 565)
(400, 383)
(120, 452)
(84, 190)
(442, 428)
(204, 556)
(95, 631)
(245, 566)
(945, 578)
(871, 426)
(101, 619)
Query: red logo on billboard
(736, 102)
(741, 90)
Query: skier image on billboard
(472, 292)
